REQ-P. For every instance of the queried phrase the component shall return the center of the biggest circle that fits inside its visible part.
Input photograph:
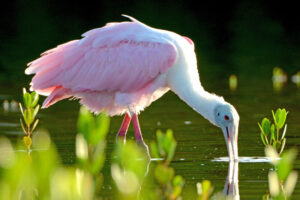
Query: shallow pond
(201, 146)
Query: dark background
(247, 38)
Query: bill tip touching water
(144, 62)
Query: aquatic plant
(170, 185)
(90, 149)
(283, 179)
(29, 113)
(204, 190)
(270, 132)
(128, 170)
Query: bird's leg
(124, 127)
(138, 135)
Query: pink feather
(122, 59)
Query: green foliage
(29, 113)
(165, 146)
(169, 185)
(270, 133)
(283, 180)
(128, 169)
(90, 147)
(204, 190)
(92, 129)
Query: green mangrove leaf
(274, 118)
(290, 183)
(286, 163)
(27, 141)
(154, 150)
(261, 129)
(273, 132)
(36, 110)
(178, 181)
(21, 109)
(28, 117)
(284, 131)
(102, 128)
(34, 125)
(206, 187)
(35, 99)
(98, 158)
(27, 100)
(266, 126)
(282, 145)
(160, 140)
(23, 127)
(171, 151)
(86, 124)
(274, 186)
(163, 174)
(280, 117)
(263, 138)
(272, 154)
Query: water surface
(201, 151)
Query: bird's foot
(144, 148)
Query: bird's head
(227, 118)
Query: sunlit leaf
(286, 163)
(274, 118)
(81, 147)
(154, 150)
(35, 99)
(34, 125)
(290, 183)
(266, 126)
(171, 152)
(163, 174)
(86, 123)
(36, 110)
(282, 145)
(273, 132)
(284, 131)
(280, 117)
(27, 141)
(178, 181)
(272, 154)
(102, 128)
(98, 158)
(28, 117)
(263, 139)
(274, 186)
(21, 109)
(27, 100)
(23, 127)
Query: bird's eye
(226, 117)
(218, 114)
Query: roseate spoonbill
(122, 68)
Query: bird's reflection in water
(231, 187)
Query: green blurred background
(247, 38)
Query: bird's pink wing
(120, 57)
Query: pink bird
(122, 68)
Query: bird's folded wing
(106, 59)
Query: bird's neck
(201, 101)
(186, 85)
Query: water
(201, 151)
